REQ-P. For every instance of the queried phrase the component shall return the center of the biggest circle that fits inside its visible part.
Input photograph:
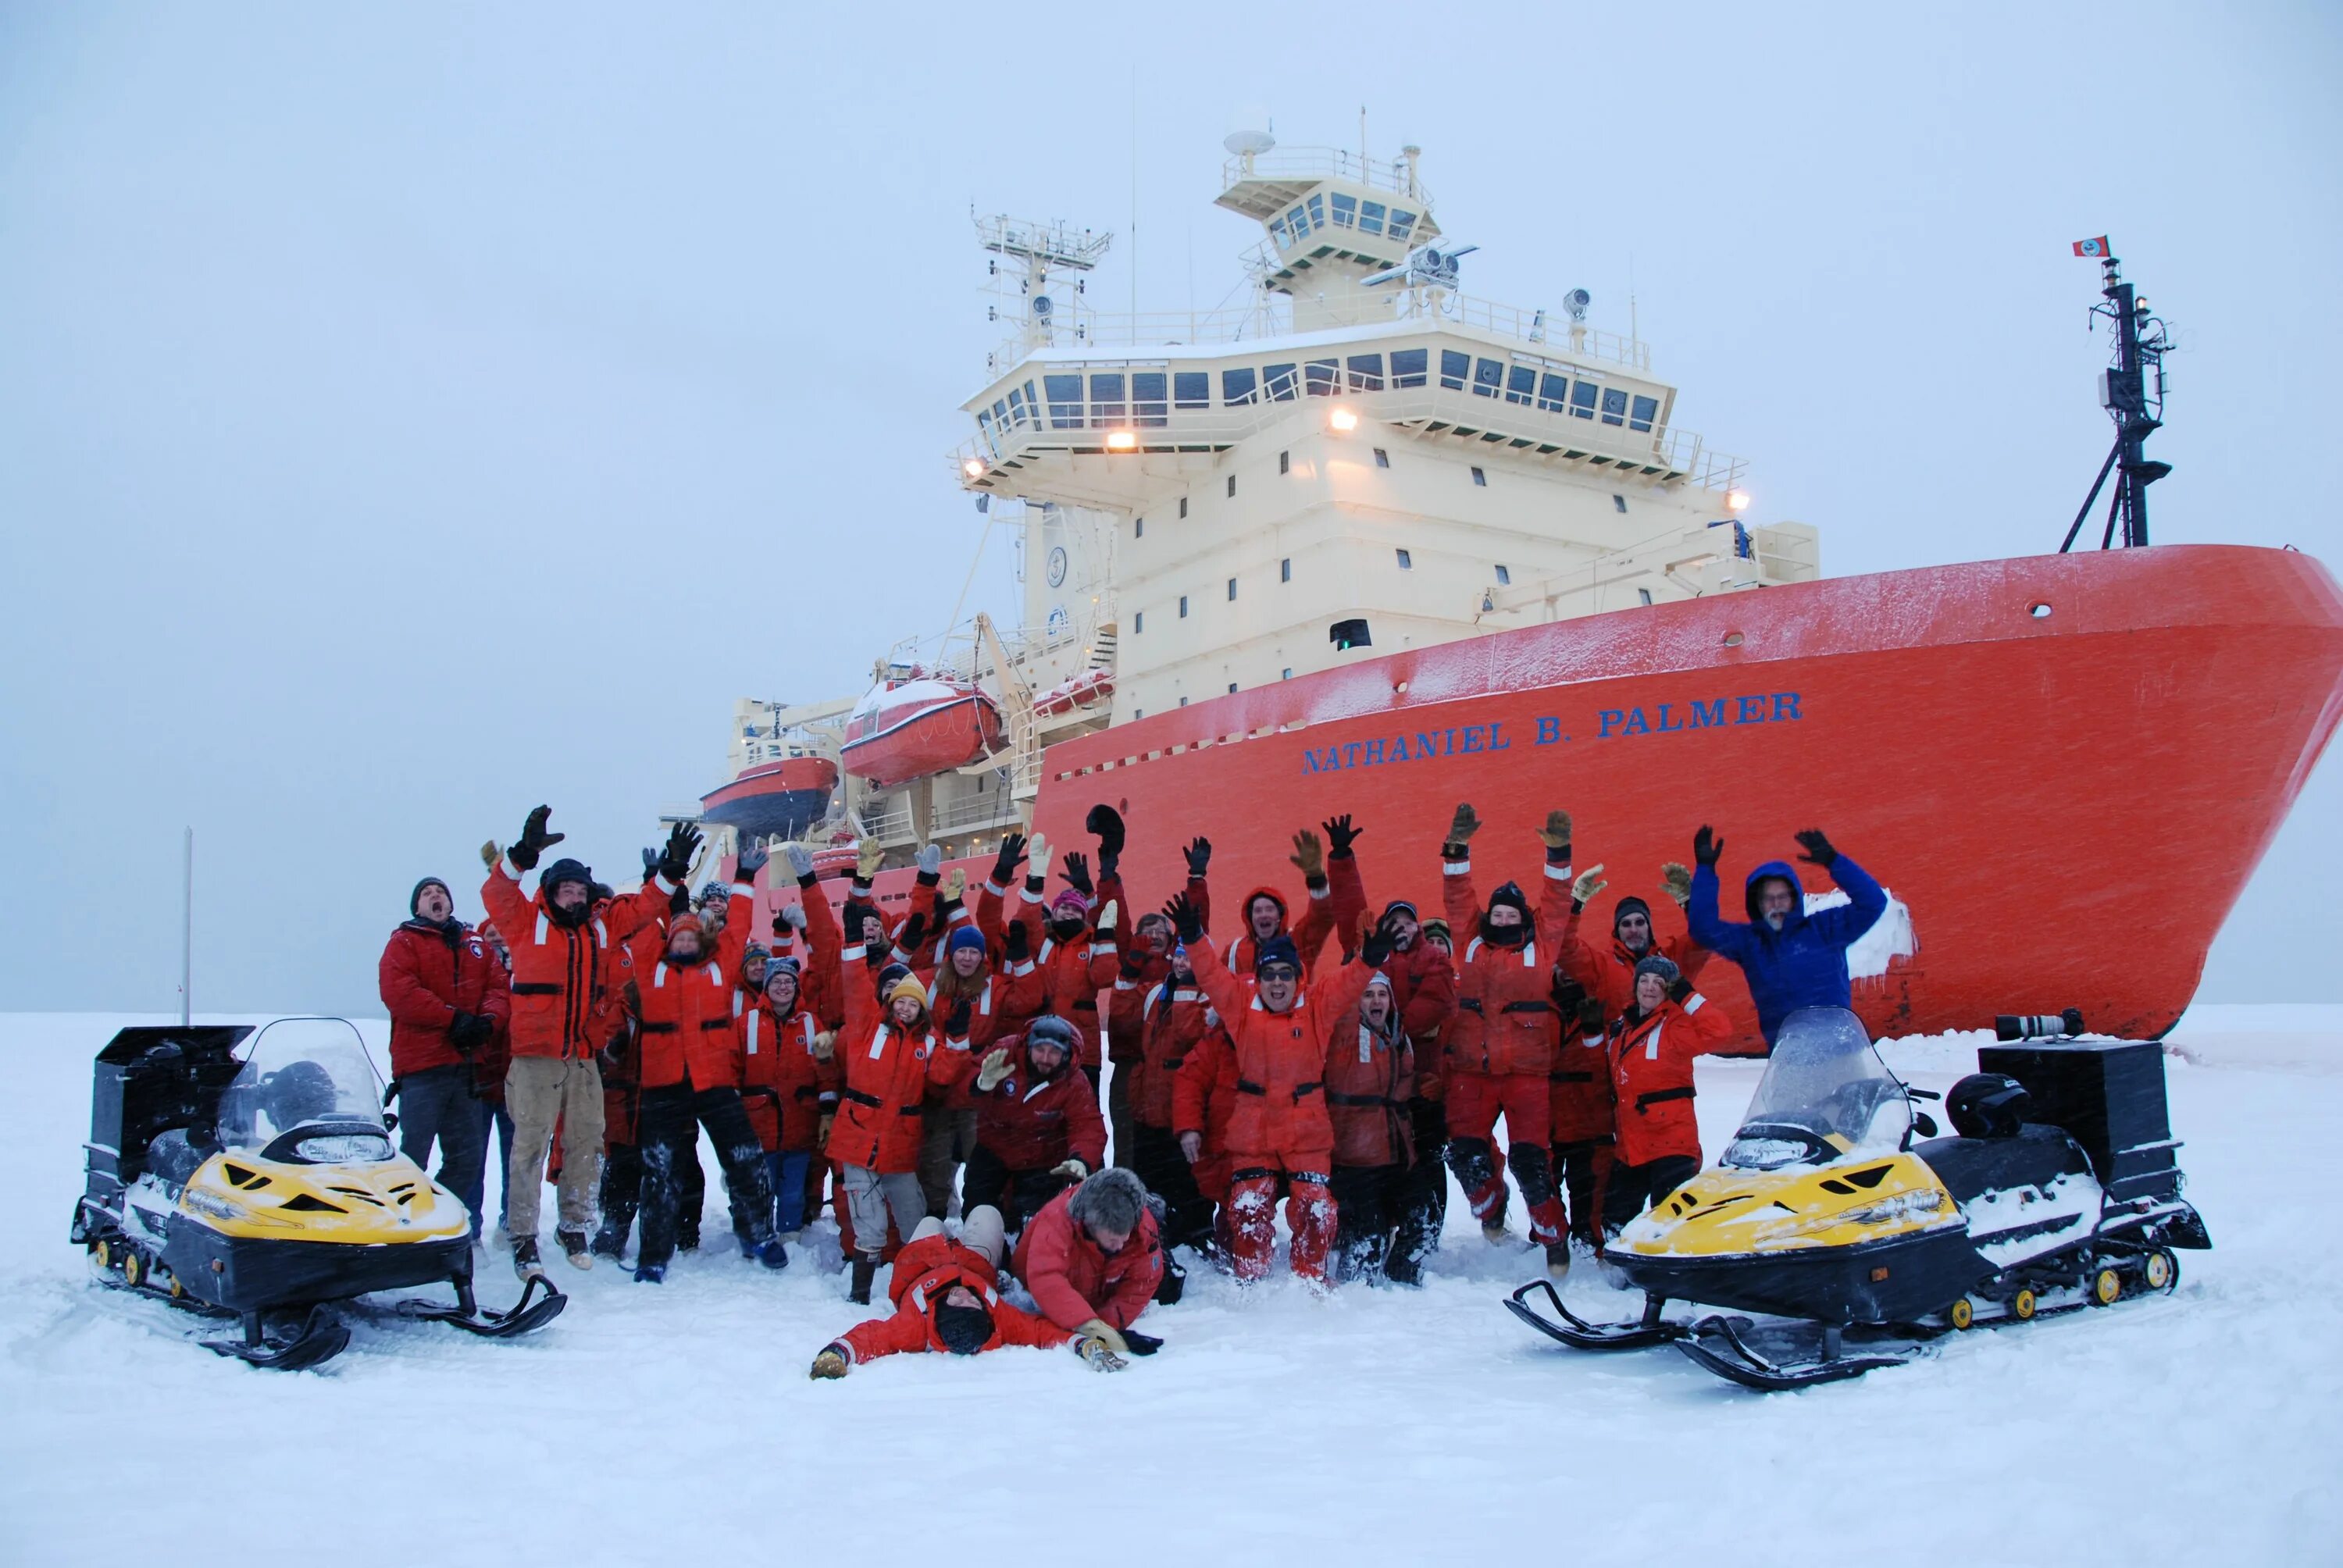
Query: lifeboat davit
(780, 799)
(907, 730)
(1092, 686)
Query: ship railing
(986, 808)
(889, 827)
(1656, 451)
(1321, 164)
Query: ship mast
(2140, 344)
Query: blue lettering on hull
(1674, 715)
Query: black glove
(1005, 864)
(915, 930)
(1105, 823)
(1186, 919)
(534, 839)
(1141, 1344)
(1339, 835)
(752, 860)
(1017, 945)
(956, 1025)
(682, 845)
(1680, 989)
(652, 865)
(679, 900)
(1706, 846)
(1818, 849)
(1078, 874)
(466, 1029)
(1590, 1015)
(1199, 856)
(1377, 950)
(853, 915)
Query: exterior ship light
(1736, 501)
(1343, 421)
(1122, 440)
(973, 468)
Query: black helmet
(1988, 1105)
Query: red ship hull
(2067, 805)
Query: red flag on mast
(2095, 248)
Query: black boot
(865, 1270)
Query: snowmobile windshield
(1825, 1096)
(307, 1093)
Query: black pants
(1369, 1200)
(668, 1125)
(437, 1105)
(1187, 1212)
(622, 1190)
(1423, 1191)
(1631, 1188)
(1017, 1194)
(1580, 1169)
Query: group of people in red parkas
(1343, 1063)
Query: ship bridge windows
(1520, 384)
(1615, 405)
(1402, 221)
(1277, 380)
(1148, 404)
(1106, 398)
(1371, 217)
(1191, 389)
(1345, 208)
(1553, 392)
(1486, 374)
(1581, 399)
(1065, 401)
(1237, 385)
(1409, 367)
(1454, 369)
(1644, 411)
(1321, 377)
(1280, 232)
(1366, 372)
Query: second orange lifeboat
(907, 730)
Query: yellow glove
(1107, 917)
(832, 1363)
(1098, 1353)
(1555, 834)
(488, 853)
(1678, 881)
(825, 1046)
(995, 1069)
(1106, 1333)
(955, 884)
(868, 854)
(1590, 882)
(1309, 854)
(1463, 825)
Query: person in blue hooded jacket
(1790, 958)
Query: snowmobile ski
(1715, 1343)
(540, 1304)
(1579, 1334)
(321, 1337)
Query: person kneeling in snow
(946, 1293)
(1092, 1259)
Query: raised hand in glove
(1186, 919)
(1072, 1170)
(1555, 834)
(1107, 916)
(534, 839)
(1310, 855)
(1077, 871)
(1818, 849)
(800, 860)
(856, 918)
(1199, 856)
(1105, 823)
(682, 848)
(1017, 943)
(1675, 880)
(1341, 835)
(995, 1069)
(488, 853)
(868, 855)
(650, 864)
(1590, 1015)
(1011, 856)
(1376, 950)
(932, 863)
(955, 885)
(914, 932)
(1590, 882)
(832, 1363)
(750, 860)
(1463, 825)
(1706, 847)
(1679, 990)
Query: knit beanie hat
(686, 921)
(416, 897)
(1630, 903)
(1278, 949)
(963, 937)
(908, 986)
(963, 1330)
(1069, 905)
(1661, 965)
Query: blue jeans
(503, 1161)
(789, 1175)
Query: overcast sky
(410, 414)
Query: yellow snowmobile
(2057, 1190)
(266, 1185)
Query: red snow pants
(1253, 1211)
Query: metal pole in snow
(187, 932)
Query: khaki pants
(946, 1138)
(870, 1197)
(539, 1091)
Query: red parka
(1505, 1018)
(887, 1070)
(1073, 1281)
(785, 1088)
(1166, 1019)
(1204, 1096)
(1423, 990)
(1651, 1072)
(428, 974)
(1370, 1078)
(684, 1010)
(926, 1271)
(1281, 1059)
(565, 980)
(1608, 970)
(1030, 1122)
(1580, 1098)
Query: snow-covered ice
(678, 1423)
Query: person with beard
(1791, 958)
(1074, 958)
(1500, 1047)
(1650, 1055)
(1092, 1260)
(448, 998)
(1370, 1080)
(1038, 1128)
(946, 1293)
(1609, 975)
(683, 1010)
(565, 966)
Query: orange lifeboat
(1092, 686)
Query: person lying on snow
(946, 1293)
(1651, 1055)
(1791, 958)
(1038, 1129)
(1093, 1258)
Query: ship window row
(1556, 394)
(1324, 210)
